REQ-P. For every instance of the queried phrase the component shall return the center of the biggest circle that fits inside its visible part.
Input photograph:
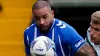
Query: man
(68, 42)
(49, 1)
(93, 33)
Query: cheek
(98, 37)
(47, 22)
(98, 34)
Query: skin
(95, 33)
(95, 28)
(44, 18)
(85, 50)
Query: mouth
(93, 39)
(43, 27)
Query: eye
(96, 29)
(37, 18)
(45, 17)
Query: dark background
(78, 17)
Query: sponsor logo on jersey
(79, 43)
(62, 25)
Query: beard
(44, 29)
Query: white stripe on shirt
(35, 32)
(61, 46)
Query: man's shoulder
(60, 24)
(63, 27)
(30, 28)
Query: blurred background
(16, 16)
(76, 12)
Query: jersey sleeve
(70, 36)
(26, 43)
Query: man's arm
(85, 50)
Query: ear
(52, 12)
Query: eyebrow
(94, 27)
(44, 15)
(91, 25)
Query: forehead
(95, 25)
(41, 11)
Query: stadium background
(16, 16)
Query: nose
(41, 21)
(92, 31)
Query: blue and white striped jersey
(65, 37)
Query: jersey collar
(52, 24)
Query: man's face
(43, 18)
(95, 33)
